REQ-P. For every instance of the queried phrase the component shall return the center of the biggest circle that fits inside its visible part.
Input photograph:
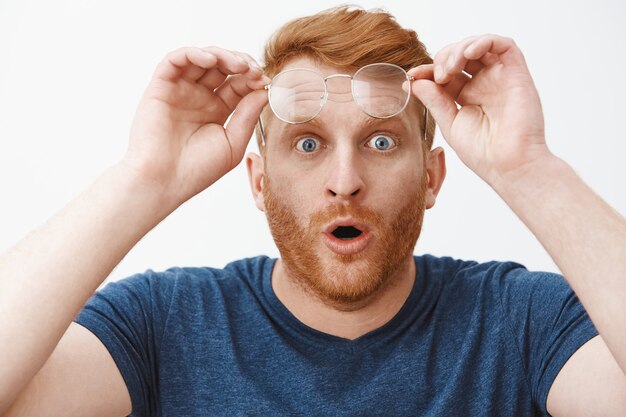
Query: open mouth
(347, 236)
(346, 232)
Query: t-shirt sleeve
(548, 323)
(128, 316)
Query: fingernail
(438, 72)
(450, 62)
(470, 48)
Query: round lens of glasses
(297, 96)
(377, 89)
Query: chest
(269, 373)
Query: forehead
(309, 63)
(407, 119)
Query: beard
(344, 280)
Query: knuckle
(248, 56)
(442, 54)
(213, 49)
(469, 40)
(174, 53)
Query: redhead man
(348, 321)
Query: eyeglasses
(298, 95)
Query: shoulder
(191, 281)
(509, 280)
(452, 270)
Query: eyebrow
(367, 122)
(399, 121)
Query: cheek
(396, 181)
(292, 194)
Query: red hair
(348, 38)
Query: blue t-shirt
(471, 340)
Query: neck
(349, 322)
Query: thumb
(438, 102)
(241, 124)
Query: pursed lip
(347, 246)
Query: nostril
(347, 193)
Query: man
(347, 322)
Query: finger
(242, 122)
(215, 78)
(255, 69)
(176, 62)
(489, 59)
(212, 79)
(493, 49)
(235, 87)
(438, 102)
(450, 60)
(256, 79)
(456, 61)
(233, 90)
(474, 67)
(424, 71)
(504, 47)
(192, 63)
(228, 62)
(456, 83)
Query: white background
(72, 71)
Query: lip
(347, 247)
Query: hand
(178, 143)
(499, 129)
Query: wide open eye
(382, 143)
(307, 145)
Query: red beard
(344, 279)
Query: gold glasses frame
(324, 98)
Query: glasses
(298, 95)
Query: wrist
(542, 166)
(536, 184)
(147, 194)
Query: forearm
(48, 276)
(584, 236)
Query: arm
(178, 147)
(506, 148)
(79, 379)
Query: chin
(343, 279)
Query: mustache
(334, 211)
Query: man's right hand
(178, 142)
(178, 147)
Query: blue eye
(307, 145)
(381, 142)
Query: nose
(345, 177)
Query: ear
(435, 174)
(256, 171)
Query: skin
(345, 170)
(179, 146)
(584, 236)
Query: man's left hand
(498, 131)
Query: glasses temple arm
(425, 121)
(262, 132)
